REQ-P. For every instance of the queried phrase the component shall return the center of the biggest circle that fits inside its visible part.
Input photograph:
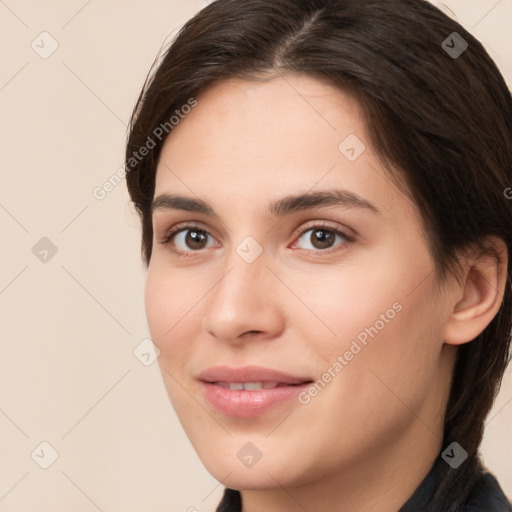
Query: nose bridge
(242, 279)
(245, 267)
(241, 299)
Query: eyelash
(171, 233)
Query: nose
(243, 303)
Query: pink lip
(249, 403)
(249, 374)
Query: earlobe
(482, 292)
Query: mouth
(249, 391)
(252, 386)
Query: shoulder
(487, 496)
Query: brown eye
(195, 239)
(320, 238)
(187, 240)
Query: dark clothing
(469, 488)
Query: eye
(322, 237)
(187, 239)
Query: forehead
(293, 107)
(254, 138)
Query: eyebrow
(284, 206)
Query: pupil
(195, 239)
(322, 237)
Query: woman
(322, 189)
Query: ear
(479, 296)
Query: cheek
(172, 322)
(354, 302)
(169, 297)
(384, 325)
(389, 365)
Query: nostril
(251, 332)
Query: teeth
(252, 386)
(247, 386)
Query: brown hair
(444, 121)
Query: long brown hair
(443, 120)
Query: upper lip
(244, 374)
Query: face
(298, 338)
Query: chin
(250, 478)
(226, 465)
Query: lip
(249, 403)
(249, 374)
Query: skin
(369, 437)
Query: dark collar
(468, 488)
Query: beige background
(69, 325)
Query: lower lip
(247, 404)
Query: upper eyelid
(177, 228)
(304, 226)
